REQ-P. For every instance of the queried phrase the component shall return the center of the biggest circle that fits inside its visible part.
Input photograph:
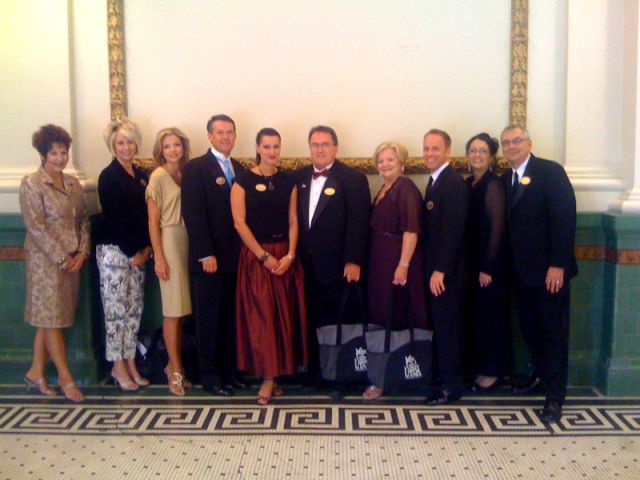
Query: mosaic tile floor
(153, 435)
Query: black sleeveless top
(267, 204)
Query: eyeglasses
(321, 146)
(481, 151)
(515, 142)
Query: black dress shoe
(236, 382)
(218, 390)
(442, 397)
(552, 412)
(532, 385)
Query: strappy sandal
(176, 382)
(372, 392)
(263, 399)
(72, 392)
(41, 384)
(128, 386)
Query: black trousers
(214, 299)
(446, 315)
(544, 322)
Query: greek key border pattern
(317, 418)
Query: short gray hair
(516, 127)
(125, 127)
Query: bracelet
(264, 257)
(290, 257)
(62, 263)
(403, 264)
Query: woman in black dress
(490, 335)
(270, 308)
(395, 254)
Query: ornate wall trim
(517, 88)
(519, 62)
(117, 63)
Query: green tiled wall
(605, 312)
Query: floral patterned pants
(122, 292)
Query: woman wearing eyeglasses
(489, 328)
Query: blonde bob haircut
(124, 127)
(157, 145)
(401, 152)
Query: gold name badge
(261, 187)
(329, 191)
(525, 181)
(220, 181)
(429, 205)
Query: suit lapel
(304, 194)
(522, 187)
(216, 170)
(436, 185)
(329, 185)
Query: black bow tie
(321, 173)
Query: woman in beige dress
(56, 247)
(170, 246)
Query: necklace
(268, 179)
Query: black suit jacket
(206, 209)
(338, 232)
(541, 222)
(445, 210)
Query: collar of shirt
(437, 173)
(219, 156)
(328, 167)
(522, 168)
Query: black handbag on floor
(342, 350)
(399, 357)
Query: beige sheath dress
(165, 192)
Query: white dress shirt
(315, 190)
(520, 170)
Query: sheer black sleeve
(495, 213)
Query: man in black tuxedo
(333, 212)
(214, 247)
(541, 225)
(445, 217)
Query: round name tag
(525, 180)
(329, 191)
(261, 187)
(429, 205)
(220, 181)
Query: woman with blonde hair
(123, 249)
(170, 246)
(56, 247)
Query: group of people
(263, 257)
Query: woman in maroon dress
(395, 254)
(270, 309)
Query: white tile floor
(149, 436)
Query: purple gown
(398, 212)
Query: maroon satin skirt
(271, 318)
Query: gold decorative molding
(519, 62)
(117, 63)
(413, 165)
